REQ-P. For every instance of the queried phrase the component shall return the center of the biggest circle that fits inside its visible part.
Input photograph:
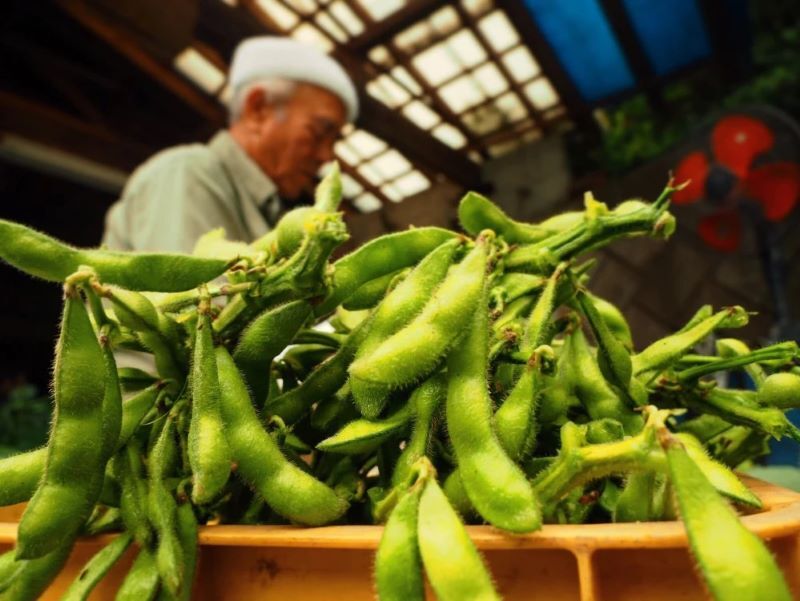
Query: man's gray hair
(277, 91)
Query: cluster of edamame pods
(468, 378)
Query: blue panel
(671, 32)
(580, 35)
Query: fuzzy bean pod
(73, 472)
(287, 489)
(454, 567)
(398, 565)
(96, 568)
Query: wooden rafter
(128, 47)
(49, 126)
(381, 31)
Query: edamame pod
(454, 567)
(370, 293)
(287, 489)
(477, 213)
(379, 257)
(496, 486)
(414, 351)
(399, 307)
(35, 575)
(781, 390)
(40, 255)
(364, 436)
(424, 401)
(734, 562)
(262, 340)
(96, 568)
(209, 454)
(141, 582)
(398, 565)
(73, 472)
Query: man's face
(290, 142)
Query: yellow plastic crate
(593, 562)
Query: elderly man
(288, 106)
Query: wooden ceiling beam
(48, 126)
(378, 33)
(129, 47)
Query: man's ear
(256, 107)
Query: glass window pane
(436, 64)
(412, 183)
(350, 187)
(380, 9)
(401, 75)
(392, 193)
(346, 154)
(367, 203)
(381, 56)
(200, 70)
(461, 94)
(413, 39)
(499, 31)
(520, 63)
(420, 114)
(511, 106)
(330, 26)
(311, 35)
(304, 7)
(490, 79)
(541, 93)
(387, 91)
(585, 44)
(445, 21)
(484, 120)
(365, 144)
(390, 164)
(347, 17)
(476, 7)
(369, 174)
(467, 49)
(449, 135)
(283, 17)
(501, 148)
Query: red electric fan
(745, 169)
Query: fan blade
(737, 140)
(721, 231)
(694, 169)
(776, 186)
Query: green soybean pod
(96, 568)
(781, 390)
(614, 320)
(20, 475)
(399, 307)
(133, 379)
(209, 454)
(133, 499)
(265, 337)
(496, 486)
(378, 257)
(412, 352)
(321, 383)
(370, 293)
(73, 471)
(9, 568)
(364, 436)
(662, 353)
(424, 401)
(637, 501)
(187, 533)
(734, 562)
(163, 510)
(454, 567)
(398, 566)
(286, 488)
(40, 255)
(141, 581)
(592, 389)
(731, 347)
(477, 213)
(134, 410)
(35, 575)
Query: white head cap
(278, 57)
